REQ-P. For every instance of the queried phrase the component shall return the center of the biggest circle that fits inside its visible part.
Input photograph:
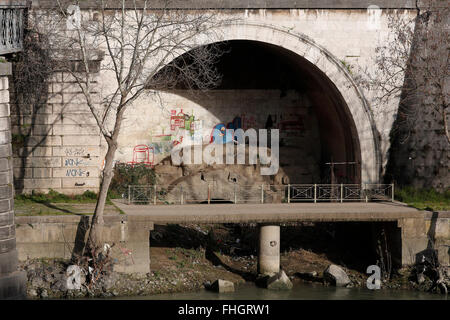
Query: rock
(48, 277)
(107, 282)
(73, 280)
(336, 276)
(59, 285)
(222, 286)
(420, 278)
(44, 294)
(32, 293)
(279, 281)
(37, 282)
(309, 276)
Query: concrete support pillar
(12, 282)
(269, 249)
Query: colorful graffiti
(219, 134)
(186, 128)
(184, 121)
(176, 119)
(161, 144)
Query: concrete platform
(275, 213)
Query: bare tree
(142, 50)
(413, 65)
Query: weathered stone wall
(65, 236)
(65, 151)
(420, 151)
(423, 160)
(419, 235)
(12, 282)
(57, 143)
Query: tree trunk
(444, 118)
(95, 232)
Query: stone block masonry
(57, 145)
(12, 282)
(63, 126)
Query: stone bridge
(289, 65)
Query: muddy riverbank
(185, 258)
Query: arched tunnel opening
(262, 86)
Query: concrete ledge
(13, 3)
(276, 213)
(66, 219)
(65, 236)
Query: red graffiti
(176, 142)
(141, 155)
(176, 120)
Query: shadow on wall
(80, 238)
(303, 103)
(29, 94)
(419, 152)
(39, 107)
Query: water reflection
(299, 292)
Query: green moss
(347, 66)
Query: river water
(299, 292)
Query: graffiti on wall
(77, 173)
(181, 125)
(143, 154)
(219, 134)
(186, 128)
(291, 125)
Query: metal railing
(12, 24)
(264, 193)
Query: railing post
(342, 192)
(315, 193)
(262, 193)
(209, 194)
(365, 192)
(181, 194)
(392, 192)
(154, 197)
(235, 194)
(289, 193)
(129, 194)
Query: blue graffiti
(220, 135)
(73, 162)
(76, 173)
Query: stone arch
(351, 95)
(331, 66)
